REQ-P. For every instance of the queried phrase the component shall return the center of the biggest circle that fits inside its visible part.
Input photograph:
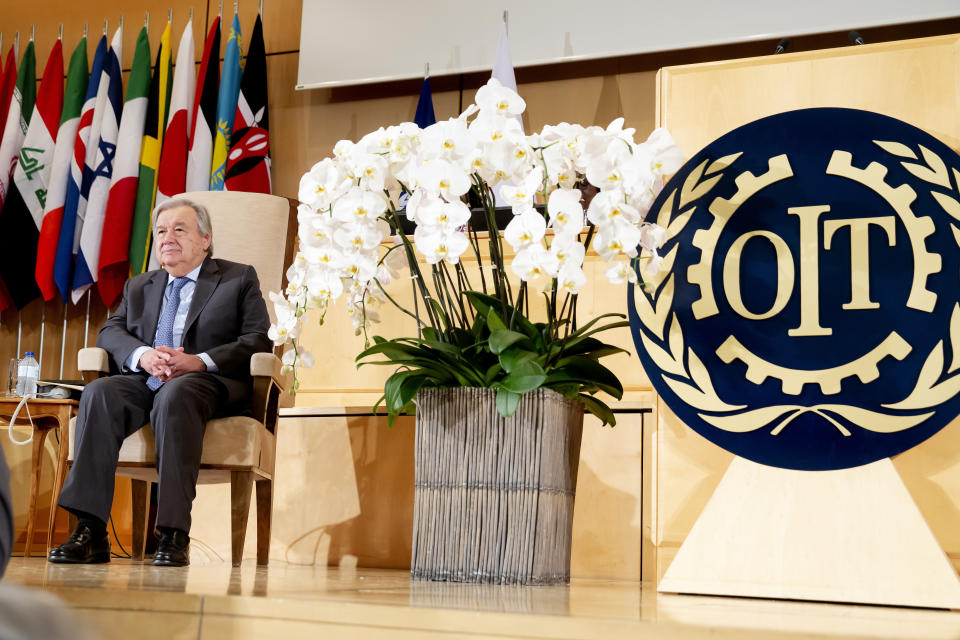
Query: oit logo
(807, 313)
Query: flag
(75, 204)
(203, 118)
(6, 89)
(157, 104)
(172, 176)
(248, 163)
(113, 265)
(99, 175)
(423, 118)
(226, 106)
(503, 71)
(23, 211)
(18, 117)
(60, 172)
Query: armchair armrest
(270, 388)
(93, 363)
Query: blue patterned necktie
(165, 324)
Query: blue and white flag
(98, 175)
(75, 205)
(226, 106)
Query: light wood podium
(917, 81)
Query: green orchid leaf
(501, 339)
(586, 371)
(507, 402)
(495, 322)
(599, 409)
(525, 378)
(516, 356)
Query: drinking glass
(12, 378)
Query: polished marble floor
(131, 600)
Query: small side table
(47, 414)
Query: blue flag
(226, 106)
(75, 205)
(425, 116)
(99, 175)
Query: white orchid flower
(615, 239)
(534, 262)
(322, 185)
(571, 278)
(620, 272)
(439, 177)
(358, 205)
(358, 237)
(566, 212)
(449, 140)
(448, 216)
(525, 229)
(607, 207)
(667, 156)
(326, 256)
(325, 284)
(436, 244)
(652, 236)
(569, 250)
(495, 98)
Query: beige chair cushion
(236, 441)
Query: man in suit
(182, 339)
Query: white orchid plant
(474, 327)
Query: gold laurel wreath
(690, 380)
(931, 389)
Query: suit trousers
(114, 407)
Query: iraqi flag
(77, 78)
(172, 177)
(75, 204)
(99, 175)
(7, 87)
(226, 106)
(23, 210)
(203, 118)
(248, 163)
(113, 266)
(18, 118)
(158, 101)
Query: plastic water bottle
(28, 370)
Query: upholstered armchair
(255, 229)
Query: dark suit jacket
(227, 319)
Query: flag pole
(170, 14)
(16, 45)
(86, 28)
(506, 21)
(86, 325)
(19, 332)
(146, 21)
(43, 326)
(59, 35)
(33, 31)
(426, 70)
(105, 25)
(220, 15)
(63, 333)
(260, 13)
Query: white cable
(13, 420)
(23, 403)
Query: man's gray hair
(203, 217)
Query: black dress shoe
(173, 549)
(83, 547)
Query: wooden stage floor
(130, 600)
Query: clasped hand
(166, 363)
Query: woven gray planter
(494, 496)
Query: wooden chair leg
(141, 509)
(241, 486)
(264, 515)
(39, 436)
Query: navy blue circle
(824, 439)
